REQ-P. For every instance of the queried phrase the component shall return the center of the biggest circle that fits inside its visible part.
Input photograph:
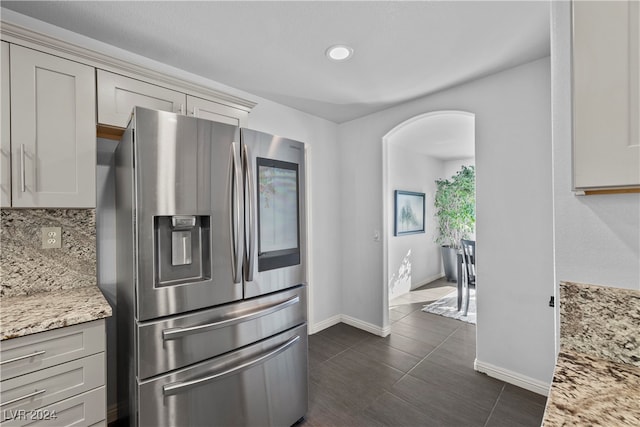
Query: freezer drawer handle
(26, 396)
(179, 387)
(173, 333)
(26, 356)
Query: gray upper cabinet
(216, 112)
(118, 94)
(53, 134)
(606, 92)
(5, 128)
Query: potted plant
(455, 208)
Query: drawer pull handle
(26, 396)
(176, 388)
(170, 334)
(26, 356)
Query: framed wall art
(409, 213)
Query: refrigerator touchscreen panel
(278, 221)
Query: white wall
(414, 259)
(597, 238)
(514, 211)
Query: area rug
(448, 306)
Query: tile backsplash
(26, 268)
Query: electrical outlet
(51, 237)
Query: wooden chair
(469, 268)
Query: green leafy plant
(455, 205)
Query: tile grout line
(349, 347)
(406, 374)
(495, 404)
(386, 364)
(425, 357)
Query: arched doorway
(427, 147)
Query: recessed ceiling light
(339, 52)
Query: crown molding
(29, 38)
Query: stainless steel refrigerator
(211, 277)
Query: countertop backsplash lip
(601, 321)
(28, 269)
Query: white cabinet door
(53, 384)
(5, 142)
(34, 352)
(606, 92)
(210, 110)
(53, 134)
(117, 95)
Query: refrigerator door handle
(174, 333)
(236, 214)
(178, 387)
(251, 196)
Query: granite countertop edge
(23, 315)
(590, 390)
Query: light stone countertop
(29, 314)
(597, 376)
(588, 390)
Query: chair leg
(466, 305)
(462, 280)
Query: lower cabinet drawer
(86, 409)
(22, 355)
(41, 388)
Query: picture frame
(409, 212)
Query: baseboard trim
(366, 326)
(514, 378)
(427, 280)
(351, 321)
(324, 324)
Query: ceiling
(446, 135)
(402, 49)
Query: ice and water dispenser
(182, 249)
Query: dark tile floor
(420, 375)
